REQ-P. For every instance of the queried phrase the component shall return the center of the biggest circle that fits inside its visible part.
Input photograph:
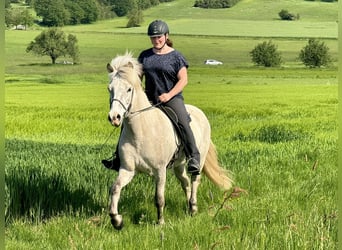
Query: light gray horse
(149, 142)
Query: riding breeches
(177, 105)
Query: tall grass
(280, 145)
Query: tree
(121, 7)
(72, 48)
(53, 43)
(17, 16)
(53, 12)
(26, 18)
(135, 17)
(83, 11)
(77, 12)
(315, 54)
(266, 54)
(90, 9)
(64, 12)
(7, 4)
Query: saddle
(170, 113)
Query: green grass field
(275, 129)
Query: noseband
(126, 114)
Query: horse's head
(124, 75)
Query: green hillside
(254, 18)
(259, 10)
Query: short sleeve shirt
(161, 72)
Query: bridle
(123, 105)
(127, 108)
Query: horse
(149, 142)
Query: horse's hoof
(193, 209)
(161, 222)
(116, 220)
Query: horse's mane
(124, 64)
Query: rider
(165, 71)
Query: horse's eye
(129, 90)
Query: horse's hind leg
(122, 180)
(195, 181)
(184, 180)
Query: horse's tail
(212, 169)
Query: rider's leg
(191, 150)
(113, 163)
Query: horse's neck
(145, 123)
(140, 117)
(140, 101)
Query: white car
(212, 62)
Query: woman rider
(165, 71)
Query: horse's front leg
(160, 194)
(122, 180)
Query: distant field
(250, 10)
(227, 35)
(257, 18)
(96, 49)
(232, 28)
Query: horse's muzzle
(116, 120)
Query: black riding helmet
(157, 28)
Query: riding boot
(191, 150)
(112, 163)
(193, 165)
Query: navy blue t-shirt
(161, 72)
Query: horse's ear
(130, 64)
(109, 68)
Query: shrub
(266, 54)
(215, 4)
(315, 54)
(286, 15)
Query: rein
(145, 109)
(105, 142)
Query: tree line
(57, 13)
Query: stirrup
(193, 167)
(109, 164)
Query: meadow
(275, 130)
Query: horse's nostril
(118, 117)
(109, 119)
